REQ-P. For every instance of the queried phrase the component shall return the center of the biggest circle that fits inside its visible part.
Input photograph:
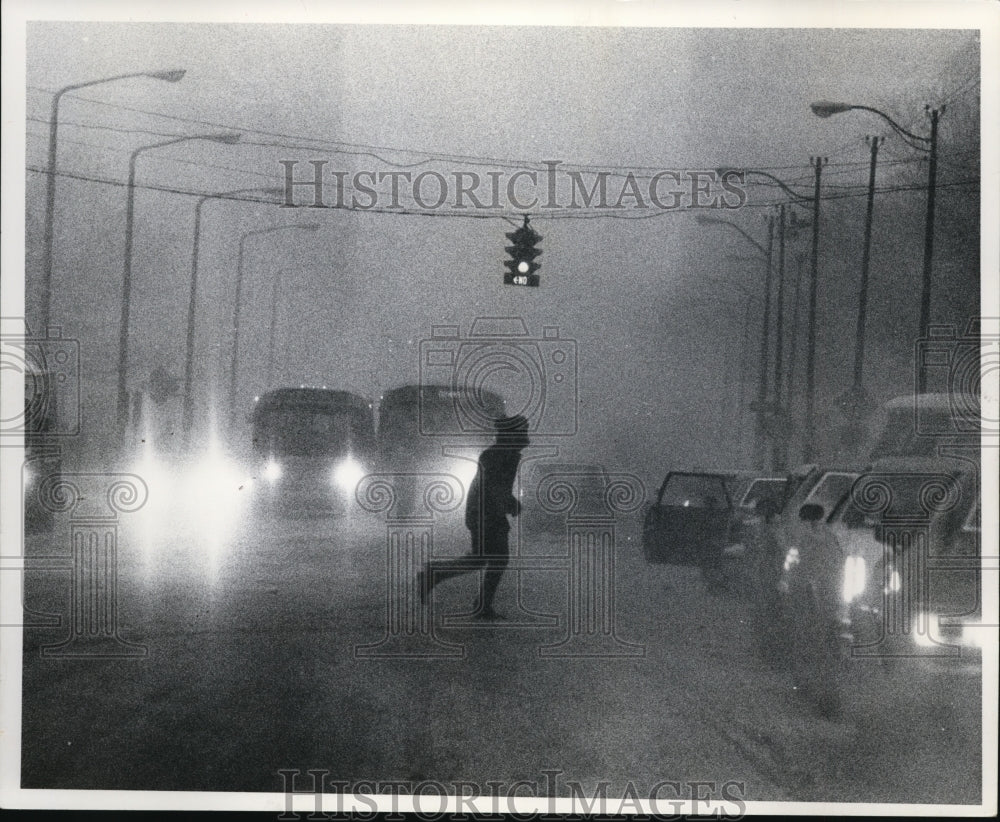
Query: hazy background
(656, 306)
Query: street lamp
(929, 144)
(172, 76)
(226, 139)
(188, 407)
(766, 329)
(237, 306)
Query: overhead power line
(555, 214)
(424, 157)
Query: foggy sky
(658, 330)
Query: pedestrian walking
(489, 501)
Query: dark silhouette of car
(690, 521)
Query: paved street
(251, 668)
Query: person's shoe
(488, 615)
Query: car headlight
(347, 474)
(465, 471)
(927, 625)
(894, 581)
(855, 578)
(978, 635)
(272, 471)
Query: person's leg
(495, 554)
(438, 570)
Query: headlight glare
(855, 577)
(348, 473)
(272, 471)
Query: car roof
(413, 392)
(939, 401)
(566, 467)
(944, 462)
(310, 398)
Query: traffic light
(521, 266)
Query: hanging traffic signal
(521, 266)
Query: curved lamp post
(226, 139)
(766, 329)
(921, 143)
(171, 76)
(238, 303)
(188, 409)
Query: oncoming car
(311, 448)
(434, 429)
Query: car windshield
(761, 489)
(694, 491)
(909, 498)
(301, 432)
(830, 490)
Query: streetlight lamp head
(826, 109)
(227, 139)
(172, 76)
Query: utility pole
(793, 347)
(859, 347)
(779, 432)
(925, 291)
(827, 109)
(764, 346)
(810, 423)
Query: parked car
(807, 484)
(929, 599)
(890, 576)
(740, 568)
(690, 521)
